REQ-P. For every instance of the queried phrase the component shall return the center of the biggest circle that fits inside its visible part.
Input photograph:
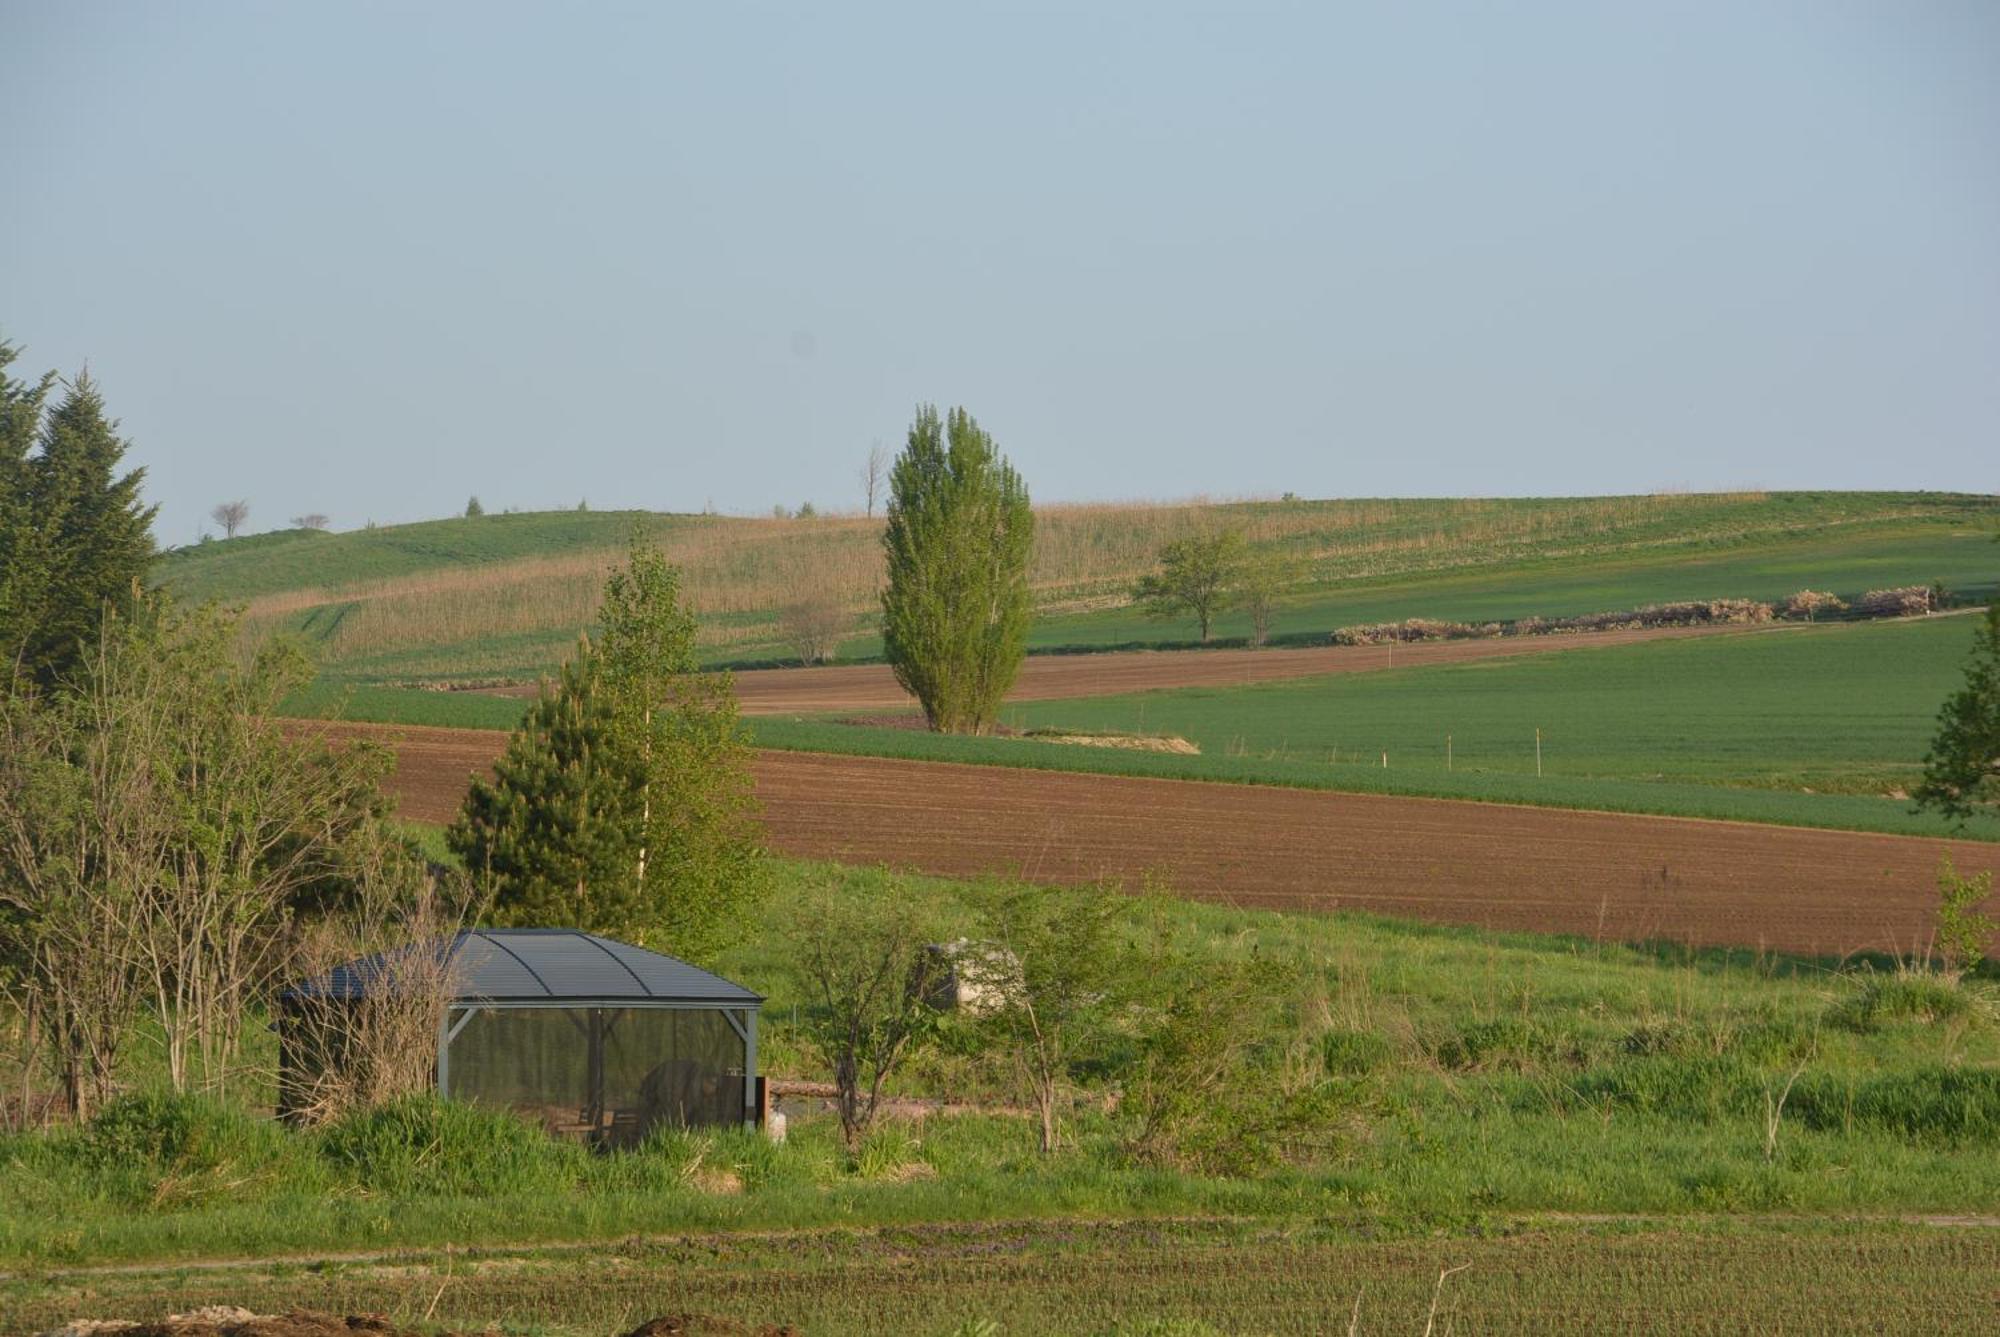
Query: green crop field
(506, 595)
(1846, 708)
(1804, 726)
(1495, 1091)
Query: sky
(368, 260)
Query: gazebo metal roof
(540, 966)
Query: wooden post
(1538, 752)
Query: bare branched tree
(873, 474)
(814, 622)
(866, 976)
(311, 520)
(158, 831)
(344, 1053)
(230, 515)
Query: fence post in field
(1538, 752)
(1447, 752)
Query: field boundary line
(408, 1255)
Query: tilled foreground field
(1116, 1277)
(1610, 875)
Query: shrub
(1703, 613)
(1205, 1095)
(1899, 602)
(1353, 1053)
(161, 1148)
(423, 1145)
(1962, 931)
(1808, 603)
(1702, 1088)
(1953, 1106)
(1507, 1042)
(1907, 995)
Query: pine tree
(23, 559)
(624, 803)
(557, 830)
(1962, 770)
(74, 533)
(955, 611)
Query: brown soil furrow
(1063, 677)
(1613, 875)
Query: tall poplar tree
(956, 608)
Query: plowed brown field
(1603, 874)
(1062, 677)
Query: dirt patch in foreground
(1613, 876)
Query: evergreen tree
(23, 560)
(557, 830)
(74, 536)
(1962, 769)
(624, 802)
(959, 535)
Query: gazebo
(595, 1039)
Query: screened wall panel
(533, 1059)
(609, 1075)
(670, 1066)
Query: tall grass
(1484, 1073)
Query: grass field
(506, 595)
(1732, 727)
(1480, 1078)
(1149, 1279)
(1845, 708)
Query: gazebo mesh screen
(607, 1074)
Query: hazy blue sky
(367, 259)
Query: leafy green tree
(1196, 577)
(1063, 969)
(160, 832)
(1962, 769)
(1260, 579)
(956, 608)
(1962, 930)
(473, 510)
(865, 972)
(623, 803)
(74, 537)
(700, 858)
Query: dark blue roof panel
(541, 964)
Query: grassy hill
(506, 595)
(1481, 1072)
